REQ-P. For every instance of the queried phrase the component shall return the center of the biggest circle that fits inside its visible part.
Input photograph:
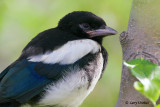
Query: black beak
(102, 32)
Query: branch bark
(142, 40)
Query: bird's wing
(4, 72)
(27, 79)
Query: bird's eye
(85, 26)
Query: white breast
(71, 90)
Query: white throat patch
(68, 53)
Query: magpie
(60, 66)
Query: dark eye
(85, 26)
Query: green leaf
(149, 76)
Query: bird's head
(85, 25)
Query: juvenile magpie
(60, 66)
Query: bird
(60, 66)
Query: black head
(85, 25)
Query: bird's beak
(102, 32)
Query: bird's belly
(74, 87)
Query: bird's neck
(98, 39)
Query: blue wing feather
(22, 82)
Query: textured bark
(142, 41)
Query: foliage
(148, 75)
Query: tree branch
(140, 41)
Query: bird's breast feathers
(71, 90)
(68, 53)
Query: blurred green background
(21, 20)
